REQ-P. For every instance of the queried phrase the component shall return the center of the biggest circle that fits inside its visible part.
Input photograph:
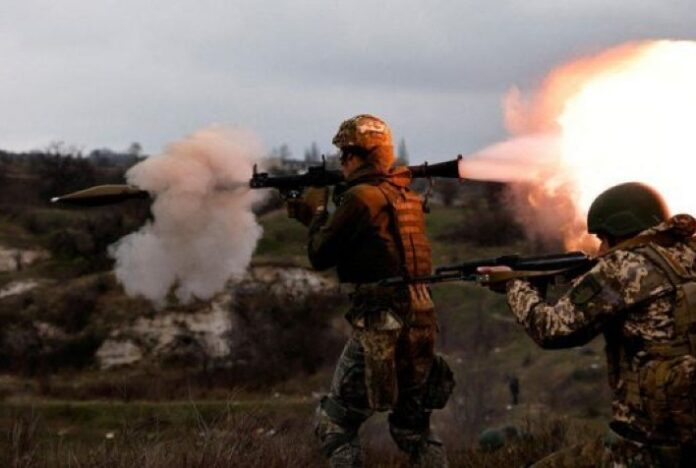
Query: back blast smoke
(200, 237)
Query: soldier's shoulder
(367, 194)
(632, 269)
(620, 261)
(618, 257)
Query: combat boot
(430, 454)
(424, 448)
(347, 456)
(337, 430)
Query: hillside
(283, 351)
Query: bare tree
(135, 149)
(402, 158)
(312, 155)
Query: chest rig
(409, 229)
(661, 381)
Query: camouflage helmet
(363, 131)
(626, 209)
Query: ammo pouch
(377, 327)
(664, 386)
(439, 385)
(667, 394)
(378, 334)
(387, 320)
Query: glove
(312, 202)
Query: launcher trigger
(290, 194)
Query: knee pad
(410, 432)
(337, 425)
(439, 385)
(407, 440)
(423, 447)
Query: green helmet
(363, 131)
(625, 210)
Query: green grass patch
(283, 238)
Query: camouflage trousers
(349, 404)
(618, 452)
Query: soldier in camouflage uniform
(377, 231)
(641, 295)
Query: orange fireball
(626, 114)
(636, 122)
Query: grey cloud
(483, 47)
(110, 72)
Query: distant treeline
(32, 178)
(29, 180)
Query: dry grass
(254, 436)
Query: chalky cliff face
(203, 231)
(212, 331)
(623, 115)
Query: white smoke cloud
(203, 231)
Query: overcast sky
(105, 73)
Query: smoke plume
(203, 231)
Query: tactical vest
(660, 380)
(409, 230)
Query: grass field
(154, 417)
(259, 433)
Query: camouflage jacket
(626, 297)
(358, 239)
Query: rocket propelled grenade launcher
(291, 186)
(568, 264)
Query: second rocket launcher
(290, 186)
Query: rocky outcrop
(18, 259)
(292, 283)
(204, 336)
(115, 352)
(171, 336)
(18, 287)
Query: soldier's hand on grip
(312, 201)
(488, 279)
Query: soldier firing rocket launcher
(290, 186)
(568, 264)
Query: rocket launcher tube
(291, 186)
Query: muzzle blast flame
(623, 115)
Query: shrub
(489, 225)
(278, 338)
